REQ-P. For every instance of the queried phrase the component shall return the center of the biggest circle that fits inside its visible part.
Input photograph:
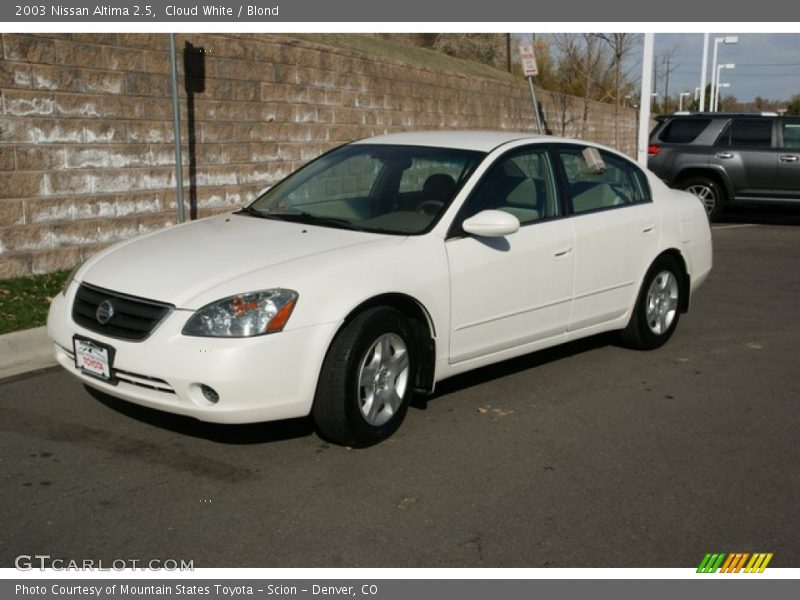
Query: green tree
(793, 106)
(694, 105)
(729, 104)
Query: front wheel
(657, 310)
(366, 380)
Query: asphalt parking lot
(589, 455)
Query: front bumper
(263, 378)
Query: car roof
(716, 115)
(483, 141)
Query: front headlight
(243, 315)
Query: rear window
(747, 133)
(683, 131)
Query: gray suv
(727, 158)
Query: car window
(521, 184)
(747, 133)
(791, 135)
(388, 188)
(683, 131)
(620, 183)
(351, 178)
(426, 170)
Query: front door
(512, 291)
(747, 154)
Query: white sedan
(378, 269)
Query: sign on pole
(528, 59)
(530, 70)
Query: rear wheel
(709, 192)
(366, 380)
(657, 309)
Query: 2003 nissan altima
(379, 269)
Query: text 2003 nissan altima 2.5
(379, 269)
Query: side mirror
(491, 223)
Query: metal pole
(176, 123)
(716, 88)
(680, 101)
(715, 92)
(714, 74)
(703, 73)
(644, 101)
(535, 106)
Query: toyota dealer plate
(93, 358)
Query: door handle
(788, 158)
(648, 229)
(563, 251)
(724, 155)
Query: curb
(23, 351)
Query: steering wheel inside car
(429, 207)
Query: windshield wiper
(301, 217)
(249, 210)
(308, 218)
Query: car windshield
(394, 189)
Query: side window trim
(643, 184)
(724, 138)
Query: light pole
(728, 39)
(703, 72)
(715, 97)
(680, 100)
(719, 87)
(648, 47)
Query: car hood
(178, 264)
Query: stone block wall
(86, 136)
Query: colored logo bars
(734, 563)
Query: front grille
(133, 318)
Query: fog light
(209, 394)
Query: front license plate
(93, 358)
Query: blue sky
(767, 64)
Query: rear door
(617, 233)
(787, 178)
(746, 150)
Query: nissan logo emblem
(104, 312)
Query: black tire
(647, 331)
(709, 191)
(337, 410)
